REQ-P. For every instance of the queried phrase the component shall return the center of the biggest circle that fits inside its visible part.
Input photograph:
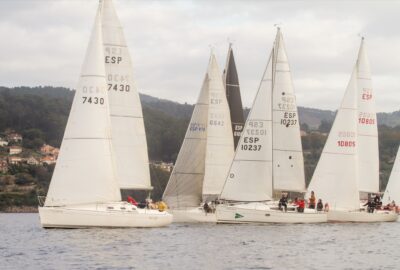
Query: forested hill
(46, 109)
(40, 114)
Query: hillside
(40, 115)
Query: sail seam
(92, 75)
(126, 116)
(115, 45)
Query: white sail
(84, 171)
(335, 177)
(184, 188)
(368, 152)
(288, 164)
(250, 175)
(128, 133)
(392, 191)
(219, 150)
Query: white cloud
(43, 43)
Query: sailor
(311, 200)
(283, 202)
(377, 201)
(301, 205)
(326, 207)
(320, 205)
(370, 206)
(206, 208)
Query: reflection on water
(25, 245)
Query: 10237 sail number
(250, 144)
(93, 100)
(119, 87)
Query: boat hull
(192, 215)
(263, 214)
(358, 216)
(102, 216)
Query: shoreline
(23, 209)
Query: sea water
(25, 245)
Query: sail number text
(251, 144)
(346, 143)
(366, 118)
(119, 87)
(289, 119)
(366, 94)
(93, 100)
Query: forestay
(250, 174)
(219, 149)
(368, 152)
(84, 171)
(128, 133)
(184, 188)
(288, 164)
(335, 177)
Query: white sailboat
(84, 190)
(351, 142)
(205, 155)
(269, 155)
(127, 126)
(392, 192)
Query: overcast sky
(43, 43)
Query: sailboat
(338, 177)
(392, 192)
(127, 125)
(269, 156)
(84, 190)
(231, 81)
(205, 155)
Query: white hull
(102, 215)
(192, 215)
(262, 213)
(358, 216)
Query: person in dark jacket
(283, 202)
(320, 205)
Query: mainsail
(269, 154)
(207, 149)
(84, 172)
(336, 179)
(127, 126)
(288, 164)
(250, 174)
(219, 149)
(368, 152)
(231, 81)
(184, 188)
